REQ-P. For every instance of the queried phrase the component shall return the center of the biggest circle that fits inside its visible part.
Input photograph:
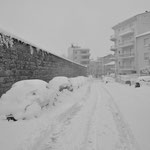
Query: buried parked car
(25, 99)
(78, 81)
(128, 82)
(108, 79)
(137, 84)
(143, 80)
(60, 83)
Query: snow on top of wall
(4, 32)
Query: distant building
(94, 68)
(107, 64)
(102, 66)
(125, 41)
(79, 55)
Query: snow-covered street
(86, 119)
(134, 103)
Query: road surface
(92, 122)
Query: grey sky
(55, 24)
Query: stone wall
(20, 60)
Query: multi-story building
(143, 53)
(94, 68)
(107, 64)
(125, 42)
(79, 55)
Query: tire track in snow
(127, 139)
(89, 126)
(53, 134)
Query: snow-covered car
(60, 83)
(143, 80)
(78, 81)
(108, 79)
(25, 99)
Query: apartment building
(95, 68)
(143, 53)
(107, 64)
(125, 42)
(79, 55)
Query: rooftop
(129, 19)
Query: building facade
(143, 53)
(95, 68)
(79, 55)
(125, 41)
(107, 64)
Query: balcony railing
(85, 54)
(113, 59)
(113, 48)
(127, 67)
(127, 31)
(112, 37)
(127, 43)
(127, 55)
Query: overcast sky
(55, 24)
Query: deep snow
(92, 117)
(134, 103)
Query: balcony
(113, 48)
(127, 31)
(127, 43)
(127, 67)
(127, 55)
(85, 54)
(113, 38)
(84, 59)
(113, 59)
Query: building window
(85, 57)
(146, 56)
(83, 52)
(75, 52)
(75, 57)
(84, 62)
(146, 41)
